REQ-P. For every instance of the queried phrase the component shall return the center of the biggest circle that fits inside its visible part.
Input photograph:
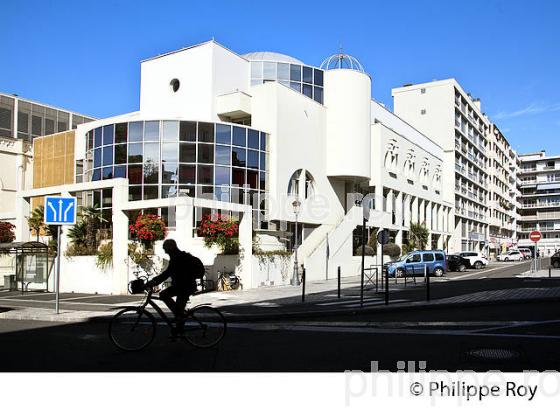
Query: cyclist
(182, 270)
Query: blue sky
(85, 56)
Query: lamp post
(296, 205)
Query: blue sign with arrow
(60, 210)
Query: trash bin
(10, 282)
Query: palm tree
(36, 222)
(91, 217)
(419, 235)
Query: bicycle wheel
(205, 326)
(132, 329)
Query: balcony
(234, 105)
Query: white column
(399, 209)
(246, 248)
(23, 209)
(390, 210)
(120, 237)
(184, 212)
(428, 208)
(414, 218)
(407, 215)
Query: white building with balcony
(250, 134)
(539, 181)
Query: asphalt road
(508, 337)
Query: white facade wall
(16, 174)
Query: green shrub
(104, 258)
(392, 249)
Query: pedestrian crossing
(355, 302)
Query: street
(509, 336)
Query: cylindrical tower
(347, 99)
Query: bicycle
(134, 327)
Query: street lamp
(296, 205)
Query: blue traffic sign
(60, 210)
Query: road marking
(481, 272)
(61, 301)
(345, 301)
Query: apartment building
(539, 179)
(21, 121)
(502, 177)
(443, 111)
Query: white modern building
(21, 121)
(539, 179)
(252, 134)
(453, 119)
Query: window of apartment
(422, 91)
(422, 112)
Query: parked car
(476, 260)
(511, 256)
(527, 253)
(413, 264)
(555, 260)
(456, 263)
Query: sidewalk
(284, 302)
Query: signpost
(535, 236)
(383, 238)
(59, 211)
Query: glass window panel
(23, 122)
(222, 176)
(187, 152)
(151, 152)
(240, 136)
(205, 191)
(318, 94)
(269, 71)
(96, 176)
(49, 126)
(205, 174)
(36, 125)
(295, 72)
(151, 131)
(238, 156)
(150, 192)
(169, 173)
(283, 71)
(221, 193)
(135, 174)
(236, 195)
(170, 152)
(62, 126)
(121, 132)
(186, 190)
(170, 130)
(120, 171)
(107, 198)
(285, 83)
(307, 90)
(262, 181)
(237, 177)
(97, 199)
(135, 153)
(295, 86)
(187, 174)
(107, 172)
(98, 132)
(263, 161)
(169, 191)
(223, 155)
(90, 140)
(135, 131)
(256, 82)
(252, 159)
(97, 157)
(253, 139)
(135, 193)
(223, 134)
(187, 131)
(108, 155)
(263, 141)
(252, 179)
(256, 69)
(120, 154)
(205, 132)
(307, 75)
(206, 153)
(318, 77)
(151, 172)
(108, 134)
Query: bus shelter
(25, 266)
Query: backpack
(196, 266)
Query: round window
(175, 84)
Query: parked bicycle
(134, 328)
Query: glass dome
(341, 60)
(271, 56)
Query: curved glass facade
(164, 159)
(304, 79)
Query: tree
(36, 222)
(91, 218)
(419, 235)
